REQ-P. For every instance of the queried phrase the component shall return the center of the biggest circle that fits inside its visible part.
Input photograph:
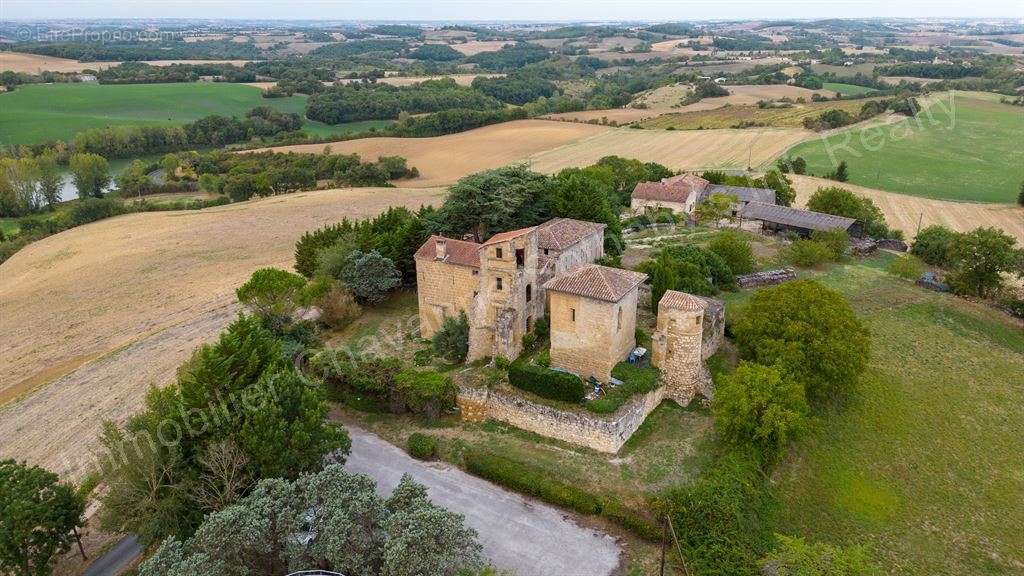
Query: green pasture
(42, 112)
(847, 89)
(963, 146)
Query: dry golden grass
(442, 160)
(902, 211)
(93, 316)
(749, 115)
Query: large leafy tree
(809, 333)
(980, 258)
(37, 517)
(90, 173)
(276, 294)
(585, 194)
(493, 201)
(628, 172)
(755, 404)
(934, 245)
(735, 251)
(842, 202)
(329, 519)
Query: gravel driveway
(518, 534)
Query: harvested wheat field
(92, 317)
(665, 100)
(478, 46)
(442, 160)
(35, 63)
(902, 211)
(676, 149)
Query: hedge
(547, 383)
(528, 480)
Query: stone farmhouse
(681, 194)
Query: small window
(475, 293)
(476, 272)
(497, 253)
(520, 257)
(545, 251)
(573, 312)
(529, 292)
(497, 284)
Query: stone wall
(589, 336)
(601, 433)
(443, 289)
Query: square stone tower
(677, 343)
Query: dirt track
(902, 211)
(91, 317)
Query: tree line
(378, 101)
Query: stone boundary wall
(605, 433)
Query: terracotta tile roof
(674, 300)
(561, 233)
(598, 282)
(795, 217)
(459, 252)
(505, 236)
(674, 189)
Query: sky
(535, 10)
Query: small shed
(783, 218)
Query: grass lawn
(41, 112)
(9, 226)
(925, 465)
(847, 89)
(970, 151)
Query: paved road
(518, 534)
(116, 559)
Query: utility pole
(920, 215)
(79, 540)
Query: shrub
(755, 405)
(422, 446)
(424, 392)
(529, 339)
(934, 244)
(275, 294)
(906, 266)
(735, 251)
(837, 241)
(543, 327)
(543, 359)
(451, 342)
(720, 518)
(807, 253)
(808, 332)
(368, 275)
(92, 209)
(547, 383)
(339, 306)
(307, 249)
(635, 380)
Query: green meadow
(924, 465)
(967, 148)
(847, 89)
(42, 112)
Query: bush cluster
(422, 446)
(547, 383)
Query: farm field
(903, 211)
(964, 146)
(41, 112)
(847, 89)
(737, 116)
(664, 100)
(35, 63)
(477, 46)
(442, 160)
(923, 465)
(549, 146)
(91, 317)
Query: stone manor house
(504, 285)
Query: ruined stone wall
(443, 289)
(601, 433)
(586, 251)
(595, 342)
(677, 352)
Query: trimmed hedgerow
(422, 446)
(547, 383)
(528, 480)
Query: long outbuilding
(783, 218)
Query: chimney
(441, 249)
